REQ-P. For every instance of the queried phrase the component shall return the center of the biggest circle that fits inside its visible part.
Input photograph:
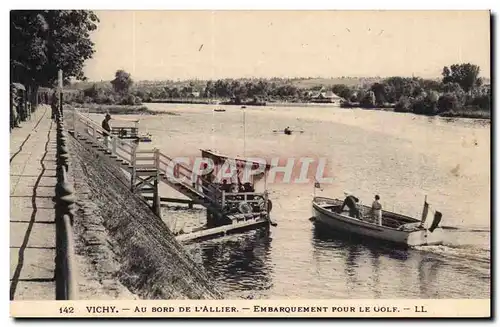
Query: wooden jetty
(227, 212)
(221, 231)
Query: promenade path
(32, 212)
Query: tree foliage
(368, 100)
(426, 104)
(44, 41)
(122, 82)
(343, 91)
(466, 75)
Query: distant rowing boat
(287, 132)
(219, 110)
(145, 138)
(395, 228)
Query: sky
(161, 45)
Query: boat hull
(343, 223)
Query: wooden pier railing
(149, 167)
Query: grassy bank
(467, 113)
(126, 242)
(118, 109)
(187, 101)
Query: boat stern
(425, 237)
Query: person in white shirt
(377, 210)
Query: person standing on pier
(107, 129)
(54, 104)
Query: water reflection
(427, 273)
(327, 237)
(240, 262)
(366, 275)
(375, 274)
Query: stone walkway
(32, 213)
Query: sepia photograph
(256, 156)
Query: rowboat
(396, 228)
(145, 138)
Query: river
(401, 157)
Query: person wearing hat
(106, 128)
(351, 202)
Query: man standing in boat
(351, 202)
(377, 210)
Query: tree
(174, 93)
(342, 91)
(403, 105)
(379, 90)
(209, 90)
(359, 95)
(262, 88)
(466, 75)
(448, 101)
(395, 87)
(483, 102)
(91, 92)
(429, 84)
(368, 101)
(122, 82)
(44, 41)
(426, 104)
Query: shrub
(110, 99)
(129, 100)
(403, 105)
(368, 100)
(91, 92)
(483, 102)
(448, 102)
(425, 106)
(80, 98)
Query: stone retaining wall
(124, 250)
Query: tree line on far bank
(460, 92)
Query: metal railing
(85, 126)
(66, 270)
(172, 172)
(252, 198)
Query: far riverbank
(142, 109)
(116, 109)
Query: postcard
(210, 163)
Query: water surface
(401, 157)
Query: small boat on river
(396, 228)
(287, 131)
(145, 138)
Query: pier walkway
(32, 213)
(147, 168)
